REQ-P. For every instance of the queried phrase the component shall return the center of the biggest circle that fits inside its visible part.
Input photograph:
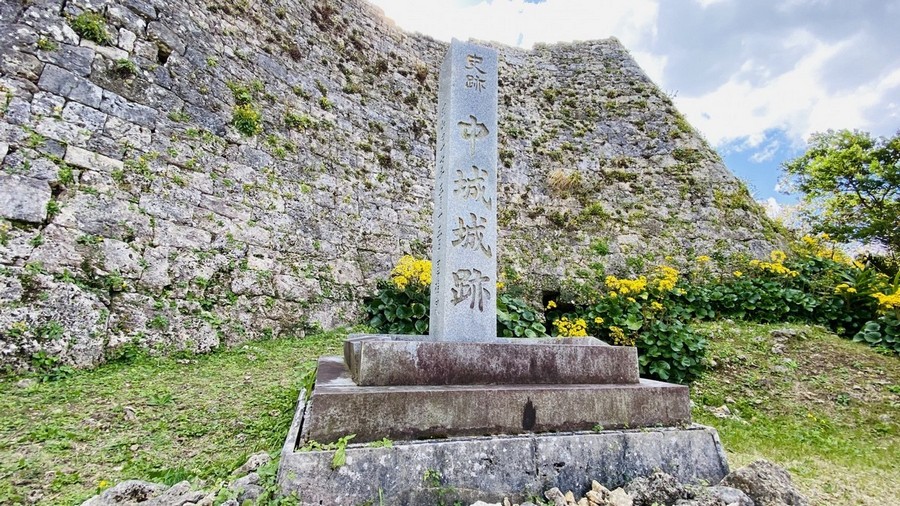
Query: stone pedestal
(490, 468)
(504, 417)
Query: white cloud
(767, 152)
(796, 101)
(737, 114)
(519, 23)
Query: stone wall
(133, 212)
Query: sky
(755, 77)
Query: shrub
(401, 305)
(515, 318)
(91, 26)
(247, 120)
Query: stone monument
(486, 415)
(464, 242)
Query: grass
(157, 419)
(826, 408)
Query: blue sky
(756, 78)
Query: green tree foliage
(851, 184)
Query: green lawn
(161, 420)
(827, 409)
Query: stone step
(339, 407)
(412, 360)
(467, 469)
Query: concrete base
(490, 468)
(340, 407)
(381, 360)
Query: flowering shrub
(639, 312)
(401, 305)
(816, 284)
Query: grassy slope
(193, 419)
(827, 409)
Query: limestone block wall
(134, 213)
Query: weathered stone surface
(23, 198)
(83, 116)
(76, 59)
(113, 53)
(61, 319)
(169, 234)
(375, 361)
(658, 488)
(340, 407)
(120, 107)
(731, 496)
(766, 483)
(64, 83)
(89, 160)
(127, 492)
(490, 468)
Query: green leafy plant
(91, 26)
(247, 119)
(53, 208)
(45, 44)
(125, 67)
(515, 318)
(50, 367)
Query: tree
(851, 186)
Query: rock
(619, 497)
(253, 463)
(702, 501)
(92, 161)
(247, 487)
(731, 496)
(556, 496)
(23, 198)
(766, 484)
(720, 412)
(64, 83)
(26, 383)
(179, 495)
(570, 497)
(784, 334)
(659, 488)
(127, 492)
(482, 503)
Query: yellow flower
(656, 306)
(702, 259)
(887, 302)
(412, 272)
(551, 304)
(776, 266)
(598, 320)
(626, 286)
(619, 338)
(570, 328)
(665, 278)
(500, 285)
(737, 274)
